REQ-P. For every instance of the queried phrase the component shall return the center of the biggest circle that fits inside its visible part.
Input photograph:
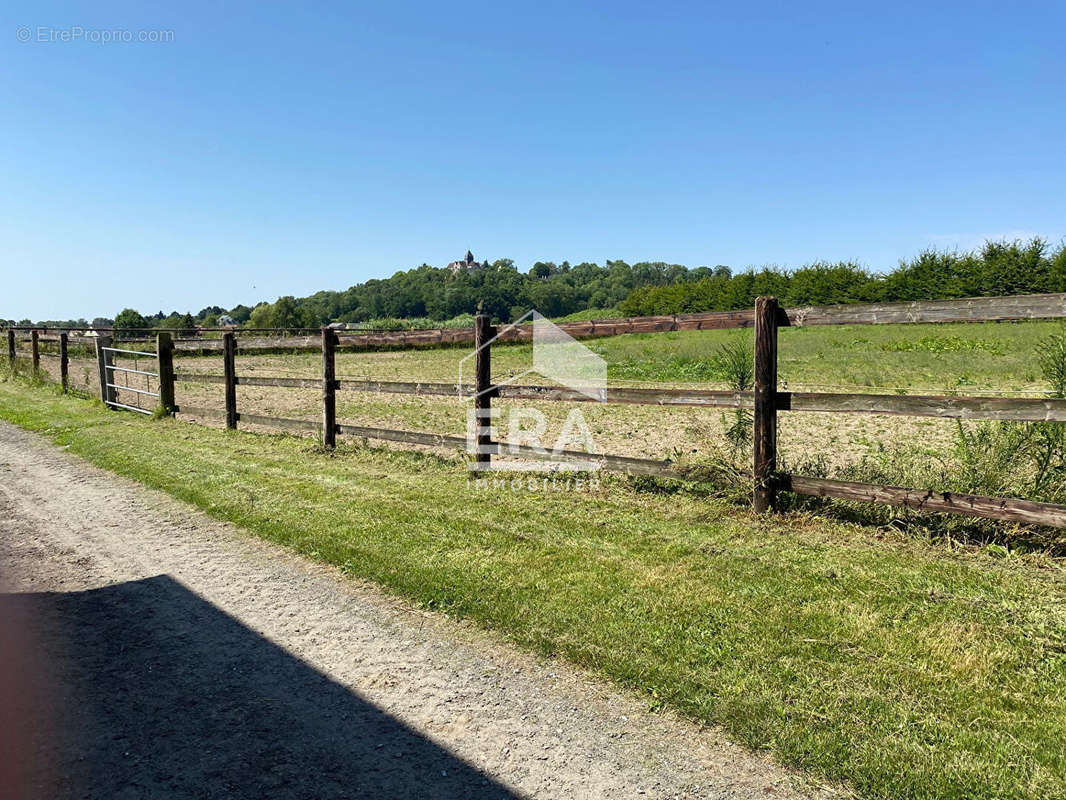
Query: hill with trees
(439, 296)
(431, 296)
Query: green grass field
(919, 358)
(900, 667)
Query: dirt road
(150, 651)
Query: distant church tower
(468, 264)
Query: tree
(240, 314)
(287, 314)
(128, 318)
(184, 324)
(262, 316)
(824, 284)
(210, 311)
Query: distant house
(226, 321)
(468, 264)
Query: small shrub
(1051, 357)
(736, 361)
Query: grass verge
(905, 668)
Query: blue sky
(276, 149)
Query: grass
(933, 358)
(953, 358)
(904, 668)
(957, 357)
(590, 314)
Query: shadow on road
(143, 689)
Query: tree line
(431, 296)
(998, 268)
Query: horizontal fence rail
(138, 409)
(150, 334)
(970, 309)
(135, 353)
(625, 464)
(1020, 409)
(135, 371)
(90, 340)
(673, 397)
(974, 309)
(132, 389)
(1026, 511)
(943, 406)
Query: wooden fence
(765, 401)
(36, 353)
(980, 309)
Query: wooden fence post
(104, 359)
(765, 416)
(35, 351)
(329, 388)
(164, 354)
(64, 362)
(483, 332)
(229, 359)
(11, 348)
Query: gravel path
(150, 651)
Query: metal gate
(111, 381)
